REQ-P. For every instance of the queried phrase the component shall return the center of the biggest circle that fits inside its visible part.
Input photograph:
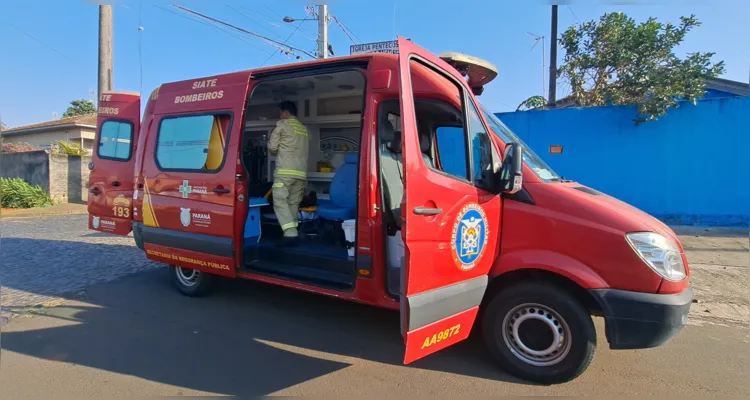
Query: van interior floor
(311, 262)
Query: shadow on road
(95, 234)
(248, 338)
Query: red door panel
(190, 187)
(189, 214)
(111, 179)
(451, 227)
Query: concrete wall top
(32, 166)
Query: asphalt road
(129, 333)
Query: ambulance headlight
(659, 253)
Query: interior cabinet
(316, 111)
(328, 106)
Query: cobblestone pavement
(42, 259)
(48, 259)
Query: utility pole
(105, 49)
(553, 59)
(322, 31)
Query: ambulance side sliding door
(189, 186)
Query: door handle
(115, 183)
(221, 190)
(427, 211)
(95, 191)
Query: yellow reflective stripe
(291, 172)
(278, 184)
(288, 226)
(298, 127)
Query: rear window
(192, 143)
(115, 139)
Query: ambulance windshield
(540, 168)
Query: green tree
(617, 61)
(79, 107)
(531, 103)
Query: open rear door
(111, 177)
(451, 225)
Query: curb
(23, 215)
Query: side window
(115, 139)
(451, 147)
(481, 152)
(461, 144)
(195, 143)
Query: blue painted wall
(692, 166)
(717, 94)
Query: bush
(71, 149)
(17, 193)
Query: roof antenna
(394, 20)
(537, 39)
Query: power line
(47, 46)
(286, 40)
(347, 29)
(42, 43)
(272, 10)
(140, 44)
(245, 31)
(200, 21)
(538, 39)
(573, 12)
(233, 34)
(273, 21)
(260, 14)
(344, 29)
(250, 18)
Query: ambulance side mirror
(511, 173)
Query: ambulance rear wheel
(191, 282)
(539, 332)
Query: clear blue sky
(39, 79)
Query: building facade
(80, 130)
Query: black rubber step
(313, 276)
(300, 255)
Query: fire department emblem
(95, 222)
(470, 236)
(185, 216)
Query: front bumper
(637, 320)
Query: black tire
(534, 309)
(199, 284)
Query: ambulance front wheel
(539, 332)
(191, 282)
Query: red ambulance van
(424, 202)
